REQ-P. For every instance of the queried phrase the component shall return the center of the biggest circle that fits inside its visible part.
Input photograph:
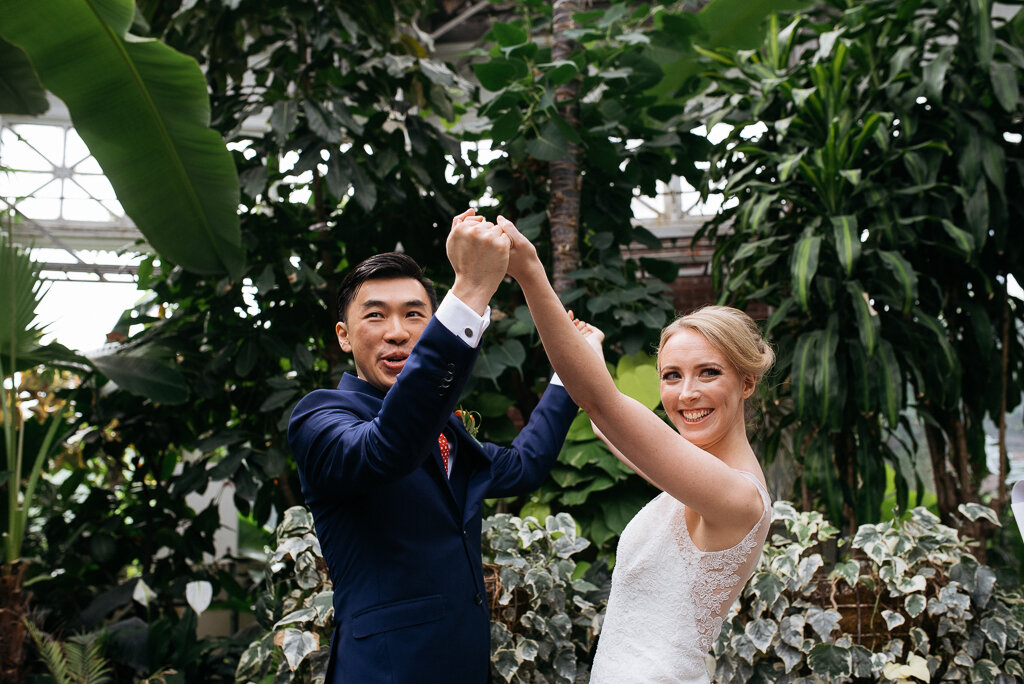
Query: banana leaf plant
(143, 110)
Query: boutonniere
(470, 421)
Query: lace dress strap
(766, 499)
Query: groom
(394, 481)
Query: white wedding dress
(669, 598)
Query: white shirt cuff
(555, 380)
(462, 320)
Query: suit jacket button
(479, 599)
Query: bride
(684, 558)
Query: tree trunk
(13, 610)
(564, 210)
(945, 482)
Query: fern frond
(52, 654)
(97, 667)
(86, 661)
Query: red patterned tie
(442, 442)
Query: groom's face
(384, 320)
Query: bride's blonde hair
(731, 332)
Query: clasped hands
(482, 253)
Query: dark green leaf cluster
(870, 175)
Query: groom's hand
(478, 251)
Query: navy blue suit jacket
(401, 540)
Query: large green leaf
(20, 89)
(803, 266)
(144, 376)
(143, 110)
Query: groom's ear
(341, 330)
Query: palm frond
(21, 291)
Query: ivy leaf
(828, 661)
(823, 622)
(892, 619)
(761, 632)
(915, 604)
(847, 570)
(976, 511)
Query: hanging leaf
(20, 89)
(143, 376)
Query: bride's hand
(523, 255)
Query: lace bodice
(669, 598)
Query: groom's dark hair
(378, 267)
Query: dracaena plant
(904, 600)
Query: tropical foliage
(349, 138)
(897, 600)
(871, 168)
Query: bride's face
(701, 391)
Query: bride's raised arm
(699, 479)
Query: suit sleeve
(521, 468)
(339, 449)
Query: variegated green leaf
(803, 267)
(826, 380)
(963, 240)
(867, 318)
(847, 241)
(802, 378)
(787, 165)
(905, 275)
(890, 380)
(860, 371)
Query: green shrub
(545, 616)
(899, 600)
